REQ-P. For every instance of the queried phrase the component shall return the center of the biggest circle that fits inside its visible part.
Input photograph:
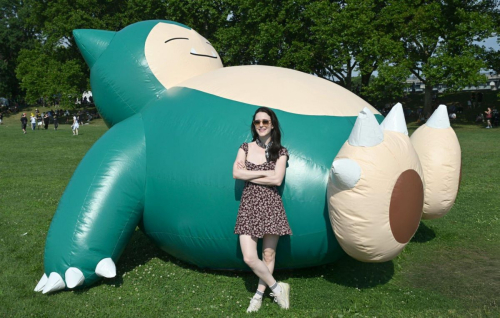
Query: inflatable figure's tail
(439, 151)
(98, 211)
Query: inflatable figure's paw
(74, 277)
(375, 189)
(439, 151)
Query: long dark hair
(275, 133)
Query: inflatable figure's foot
(74, 277)
(439, 151)
(375, 188)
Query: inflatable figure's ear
(92, 43)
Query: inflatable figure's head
(134, 66)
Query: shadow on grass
(139, 251)
(423, 234)
(353, 273)
(346, 271)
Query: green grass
(449, 269)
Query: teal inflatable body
(177, 119)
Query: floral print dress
(261, 209)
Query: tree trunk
(428, 100)
(365, 79)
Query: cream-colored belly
(279, 88)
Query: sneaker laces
(274, 296)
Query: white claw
(54, 283)
(74, 277)
(439, 118)
(345, 173)
(193, 51)
(395, 120)
(366, 131)
(41, 283)
(106, 268)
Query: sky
(491, 43)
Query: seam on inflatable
(110, 85)
(82, 208)
(219, 238)
(144, 189)
(118, 240)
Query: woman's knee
(268, 255)
(250, 260)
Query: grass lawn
(451, 268)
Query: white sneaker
(283, 299)
(255, 304)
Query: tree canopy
(335, 40)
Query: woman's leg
(269, 244)
(249, 249)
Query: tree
(45, 76)
(352, 35)
(331, 39)
(54, 66)
(492, 58)
(439, 41)
(13, 37)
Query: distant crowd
(490, 117)
(41, 120)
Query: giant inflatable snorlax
(177, 118)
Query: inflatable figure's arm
(99, 210)
(277, 177)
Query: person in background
(24, 122)
(33, 121)
(75, 126)
(1, 118)
(56, 121)
(46, 120)
(39, 121)
(489, 115)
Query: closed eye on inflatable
(176, 39)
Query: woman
(33, 121)
(488, 117)
(262, 165)
(75, 126)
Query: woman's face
(263, 125)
